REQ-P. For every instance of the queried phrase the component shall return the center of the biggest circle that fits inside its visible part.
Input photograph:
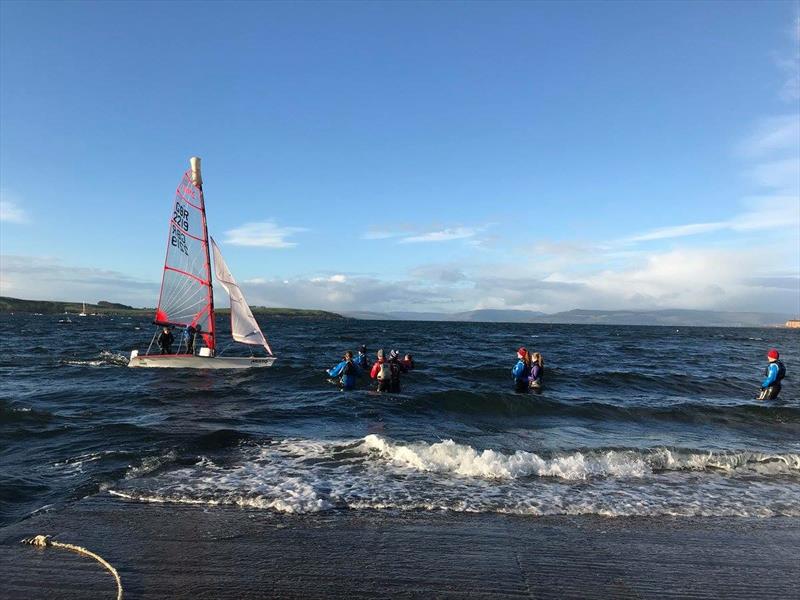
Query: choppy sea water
(632, 421)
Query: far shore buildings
(793, 324)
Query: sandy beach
(187, 551)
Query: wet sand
(193, 551)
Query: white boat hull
(187, 361)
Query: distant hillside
(668, 317)
(489, 315)
(16, 305)
(501, 315)
(46, 307)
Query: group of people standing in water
(386, 370)
(528, 372)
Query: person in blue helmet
(522, 371)
(347, 371)
(773, 375)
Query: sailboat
(83, 311)
(187, 298)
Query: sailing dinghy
(187, 298)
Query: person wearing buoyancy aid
(521, 371)
(361, 360)
(774, 373)
(347, 371)
(408, 363)
(537, 371)
(396, 368)
(165, 340)
(382, 372)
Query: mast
(197, 180)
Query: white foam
(302, 476)
(447, 456)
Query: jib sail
(186, 297)
(244, 326)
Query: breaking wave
(300, 476)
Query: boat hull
(187, 361)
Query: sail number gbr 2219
(180, 221)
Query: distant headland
(103, 307)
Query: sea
(632, 421)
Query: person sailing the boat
(188, 338)
(165, 340)
(347, 371)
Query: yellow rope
(43, 541)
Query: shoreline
(183, 551)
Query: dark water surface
(633, 421)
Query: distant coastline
(665, 317)
(46, 307)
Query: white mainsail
(244, 326)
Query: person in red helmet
(522, 371)
(774, 373)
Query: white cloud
(33, 277)
(442, 235)
(770, 212)
(773, 134)
(11, 212)
(265, 234)
(678, 231)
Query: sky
(408, 156)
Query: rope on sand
(43, 541)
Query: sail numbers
(180, 221)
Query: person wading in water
(773, 375)
(522, 371)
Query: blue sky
(409, 156)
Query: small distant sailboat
(83, 311)
(187, 298)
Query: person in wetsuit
(361, 360)
(347, 371)
(537, 371)
(395, 368)
(188, 335)
(522, 371)
(382, 372)
(408, 363)
(774, 373)
(165, 340)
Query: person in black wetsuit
(190, 333)
(396, 368)
(165, 340)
